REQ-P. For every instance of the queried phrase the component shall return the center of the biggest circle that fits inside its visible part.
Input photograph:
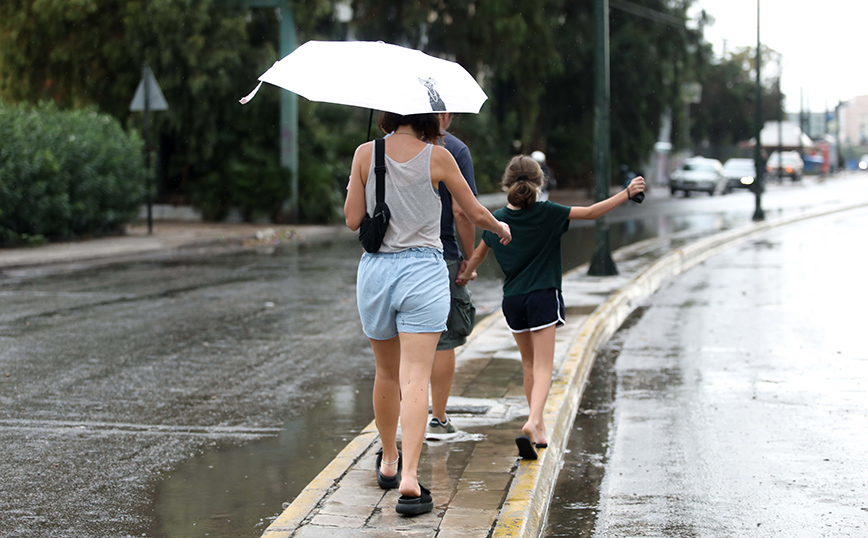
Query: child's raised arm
(599, 209)
(475, 261)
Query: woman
(533, 304)
(403, 290)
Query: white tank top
(413, 203)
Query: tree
(205, 55)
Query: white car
(863, 162)
(698, 174)
(785, 163)
(740, 173)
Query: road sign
(156, 101)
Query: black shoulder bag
(374, 228)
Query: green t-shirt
(532, 260)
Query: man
(462, 313)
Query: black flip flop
(388, 482)
(414, 506)
(525, 447)
(541, 445)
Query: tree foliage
(534, 59)
(727, 113)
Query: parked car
(698, 174)
(785, 163)
(740, 173)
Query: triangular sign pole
(148, 97)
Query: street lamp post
(602, 263)
(838, 135)
(759, 184)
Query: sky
(824, 45)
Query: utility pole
(780, 132)
(147, 131)
(759, 184)
(288, 104)
(801, 120)
(838, 135)
(602, 263)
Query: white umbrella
(375, 75)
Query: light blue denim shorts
(405, 291)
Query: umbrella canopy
(375, 75)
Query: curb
(527, 503)
(525, 509)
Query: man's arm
(466, 232)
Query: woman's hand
(506, 235)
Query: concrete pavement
(172, 237)
(168, 237)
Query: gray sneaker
(438, 431)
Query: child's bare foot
(537, 433)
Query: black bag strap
(380, 168)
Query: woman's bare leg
(537, 350)
(417, 358)
(387, 399)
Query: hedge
(66, 174)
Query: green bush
(65, 174)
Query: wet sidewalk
(479, 485)
(168, 238)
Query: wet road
(193, 396)
(733, 403)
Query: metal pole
(801, 120)
(759, 184)
(602, 263)
(838, 136)
(780, 134)
(289, 116)
(147, 130)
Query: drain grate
(467, 409)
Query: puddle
(236, 491)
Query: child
(532, 301)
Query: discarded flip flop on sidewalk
(525, 447)
(414, 506)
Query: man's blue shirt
(459, 150)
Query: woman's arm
(354, 206)
(445, 169)
(473, 263)
(601, 208)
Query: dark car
(740, 173)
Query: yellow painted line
(527, 503)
